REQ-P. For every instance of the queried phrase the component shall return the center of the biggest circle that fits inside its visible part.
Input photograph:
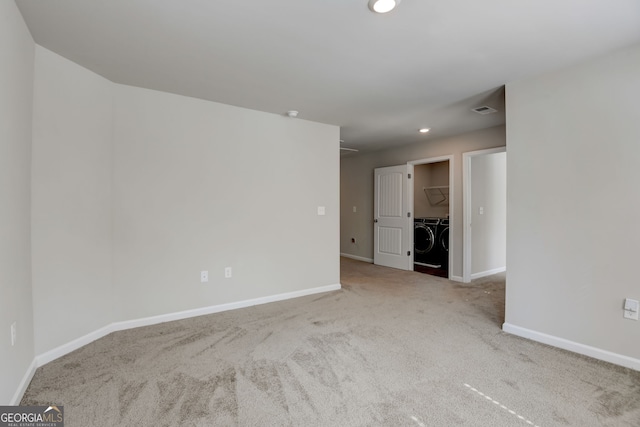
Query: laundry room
(431, 213)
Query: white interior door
(391, 234)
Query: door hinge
(408, 253)
(409, 175)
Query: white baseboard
(457, 279)
(488, 273)
(26, 380)
(130, 324)
(67, 348)
(596, 353)
(357, 258)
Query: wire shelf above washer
(438, 195)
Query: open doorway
(485, 212)
(431, 193)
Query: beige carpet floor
(391, 348)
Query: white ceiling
(379, 77)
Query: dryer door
(423, 238)
(444, 240)
(443, 247)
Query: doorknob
(375, 220)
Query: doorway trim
(452, 223)
(466, 206)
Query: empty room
(320, 213)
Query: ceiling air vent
(484, 110)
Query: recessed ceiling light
(383, 6)
(424, 130)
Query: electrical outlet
(204, 276)
(227, 272)
(14, 333)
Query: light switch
(481, 210)
(631, 309)
(354, 209)
(321, 210)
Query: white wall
(71, 194)
(421, 177)
(201, 186)
(136, 191)
(16, 96)
(356, 187)
(489, 230)
(573, 205)
(430, 175)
